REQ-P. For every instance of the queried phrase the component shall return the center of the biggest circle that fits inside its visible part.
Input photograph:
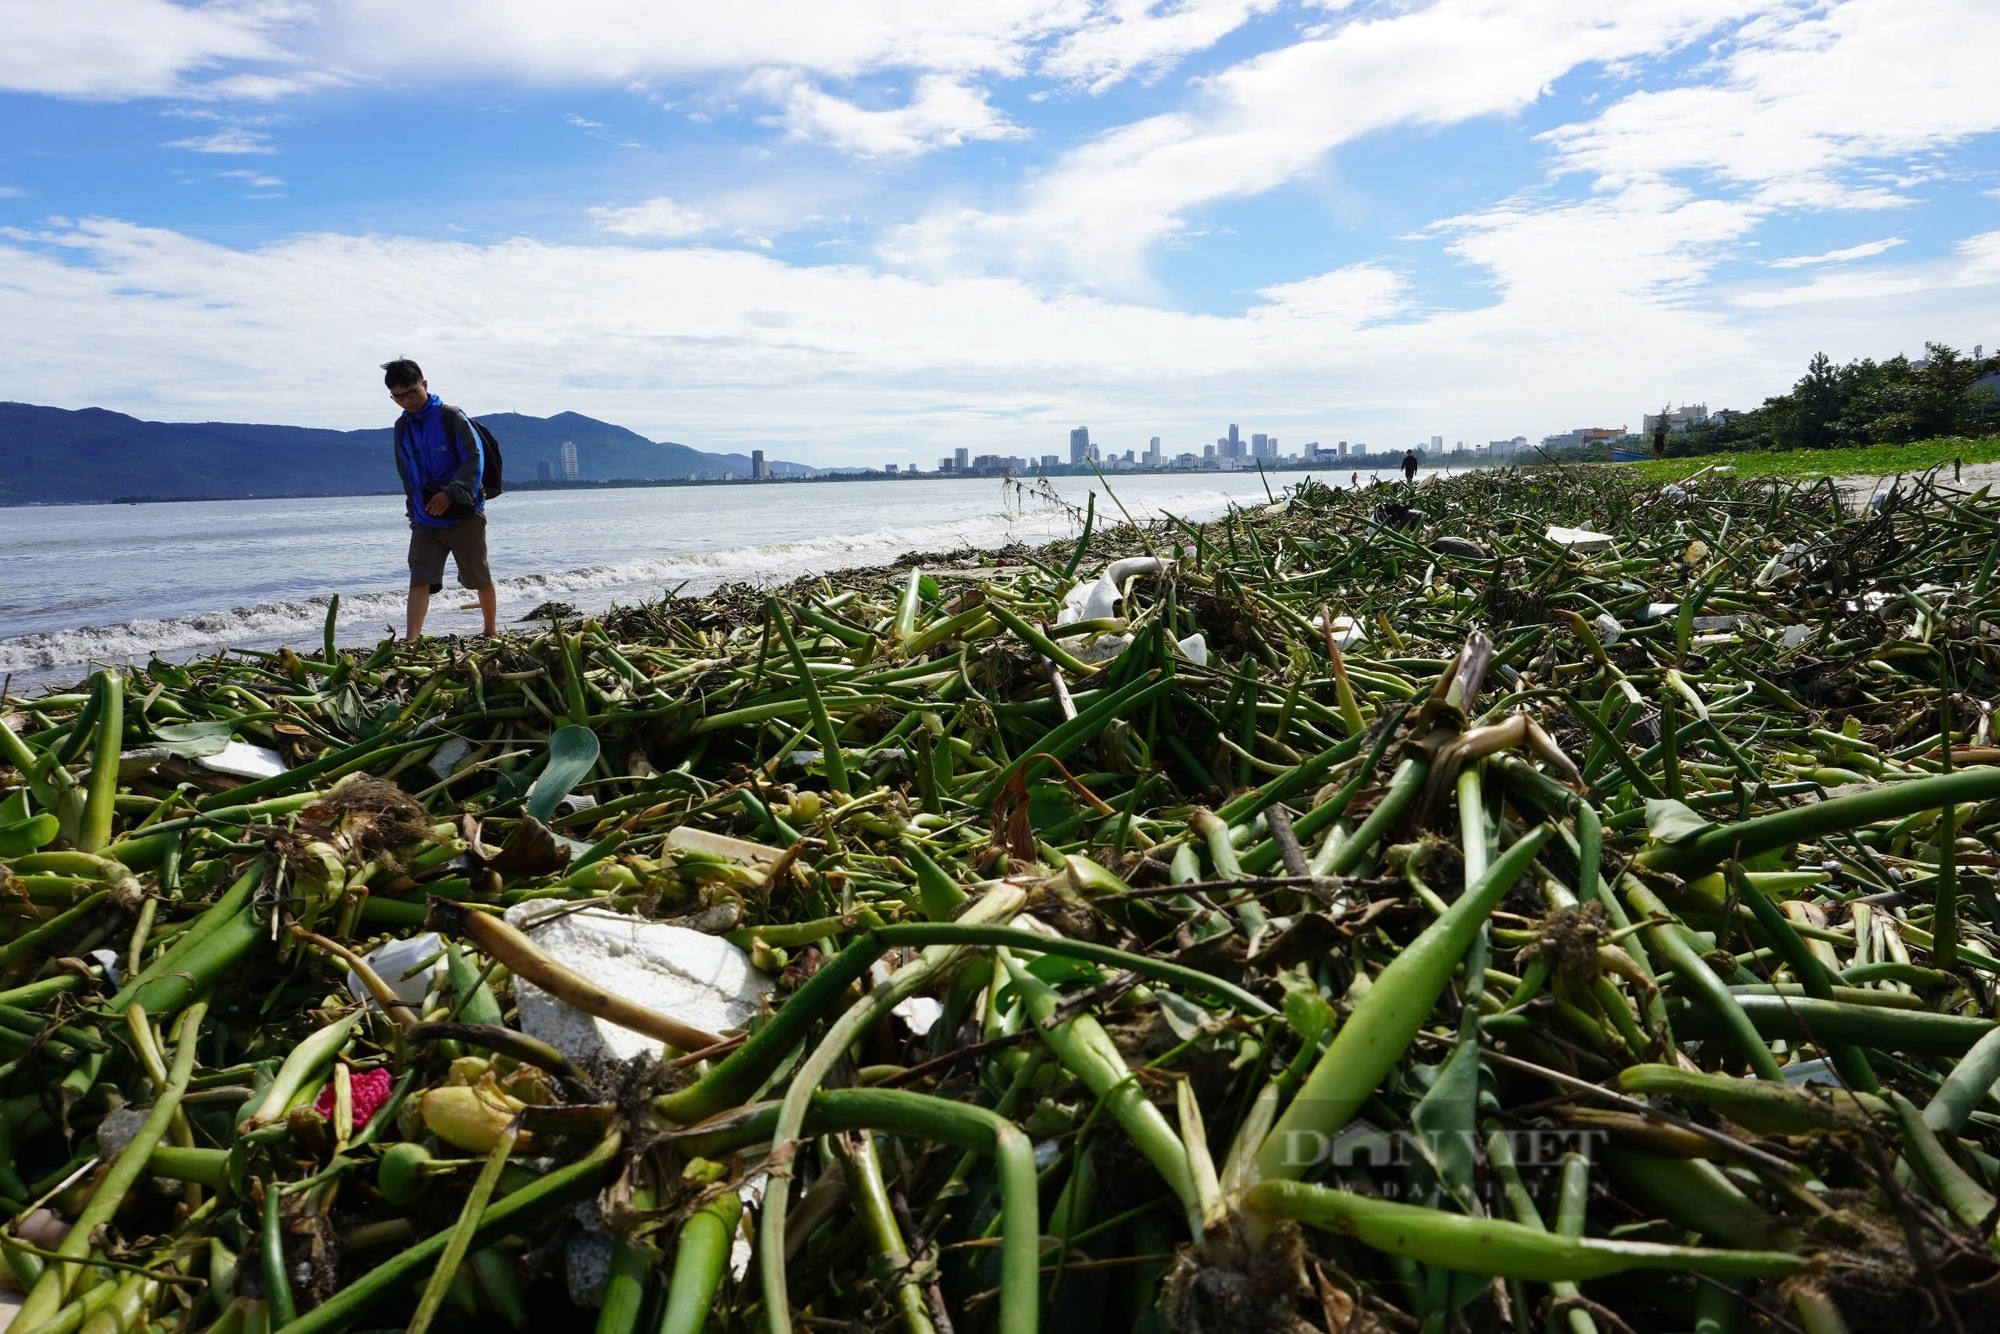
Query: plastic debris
(1578, 539)
(698, 979)
(409, 967)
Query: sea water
(117, 583)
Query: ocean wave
(47, 654)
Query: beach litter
(1601, 937)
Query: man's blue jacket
(437, 449)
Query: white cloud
(662, 218)
(1800, 100)
(942, 112)
(229, 139)
(1866, 250)
(12, 192)
(1145, 37)
(113, 49)
(1597, 318)
(1974, 264)
(1272, 119)
(593, 41)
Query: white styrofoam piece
(240, 759)
(1194, 648)
(446, 757)
(1795, 635)
(1347, 631)
(409, 967)
(698, 979)
(1097, 599)
(1608, 630)
(1578, 539)
(921, 1013)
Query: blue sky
(855, 232)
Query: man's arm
(464, 483)
(406, 474)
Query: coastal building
(960, 459)
(544, 471)
(759, 470)
(1051, 461)
(1685, 417)
(568, 463)
(1079, 445)
(1584, 435)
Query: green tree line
(1864, 402)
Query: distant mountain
(59, 456)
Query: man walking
(443, 469)
(1410, 467)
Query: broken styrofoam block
(1194, 648)
(1101, 648)
(920, 1013)
(698, 979)
(1347, 631)
(446, 757)
(409, 967)
(1097, 599)
(1608, 630)
(240, 759)
(1578, 539)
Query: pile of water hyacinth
(1566, 905)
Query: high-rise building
(759, 469)
(544, 471)
(569, 465)
(1079, 445)
(1437, 444)
(1234, 439)
(891, 469)
(1258, 443)
(961, 458)
(1343, 448)
(1051, 461)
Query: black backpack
(492, 474)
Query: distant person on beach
(442, 467)
(1410, 467)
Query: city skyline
(859, 231)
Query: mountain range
(62, 456)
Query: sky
(855, 232)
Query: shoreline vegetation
(1569, 894)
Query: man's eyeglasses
(407, 392)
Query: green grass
(1870, 460)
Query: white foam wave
(36, 658)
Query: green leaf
(1446, 1119)
(1670, 821)
(192, 741)
(927, 588)
(15, 808)
(572, 755)
(1307, 1012)
(18, 838)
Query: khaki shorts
(464, 542)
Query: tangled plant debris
(1325, 918)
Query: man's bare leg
(489, 607)
(419, 605)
